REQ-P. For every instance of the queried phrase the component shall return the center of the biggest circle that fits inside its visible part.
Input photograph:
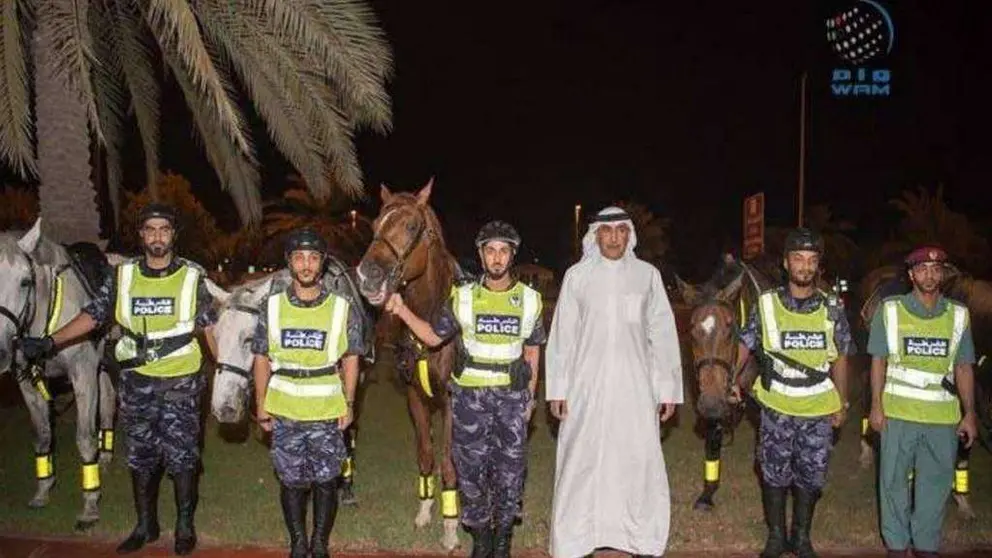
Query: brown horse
(408, 255)
(720, 307)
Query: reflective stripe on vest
(512, 314)
(922, 351)
(306, 339)
(171, 304)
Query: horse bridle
(225, 367)
(24, 321)
(732, 372)
(400, 258)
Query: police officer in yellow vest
(921, 380)
(158, 300)
(802, 338)
(492, 394)
(306, 349)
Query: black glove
(35, 348)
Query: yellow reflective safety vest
(158, 315)
(305, 345)
(921, 352)
(807, 339)
(494, 326)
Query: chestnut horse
(408, 256)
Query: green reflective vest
(155, 313)
(305, 345)
(494, 326)
(921, 352)
(807, 339)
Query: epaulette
(192, 265)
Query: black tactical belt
(152, 350)
(297, 373)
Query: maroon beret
(926, 253)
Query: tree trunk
(66, 195)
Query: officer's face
(157, 235)
(926, 277)
(496, 256)
(305, 266)
(612, 240)
(802, 266)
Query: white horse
(40, 292)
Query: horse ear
(425, 193)
(219, 294)
(29, 242)
(384, 193)
(727, 293)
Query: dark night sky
(523, 109)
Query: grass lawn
(239, 502)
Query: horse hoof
(703, 504)
(964, 507)
(84, 525)
(347, 496)
(424, 514)
(450, 539)
(38, 502)
(106, 457)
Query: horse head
(235, 329)
(405, 230)
(26, 261)
(714, 348)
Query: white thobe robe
(613, 356)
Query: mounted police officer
(307, 344)
(921, 378)
(492, 393)
(801, 338)
(158, 300)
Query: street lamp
(354, 217)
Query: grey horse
(32, 270)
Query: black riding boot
(294, 512)
(773, 500)
(144, 490)
(483, 540)
(186, 498)
(325, 510)
(803, 504)
(502, 542)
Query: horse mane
(242, 295)
(46, 253)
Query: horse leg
(421, 415)
(711, 469)
(961, 483)
(449, 488)
(40, 411)
(107, 411)
(347, 496)
(85, 385)
(867, 451)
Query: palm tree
(18, 208)
(651, 230)
(927, 218)
(314, 71)
(346, 231)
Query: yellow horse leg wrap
(424, 376)
(43, 466)
(106, 439)
(348, 468)
(449, 503)
(91, 477)
(961, 478)
(711, 472)
(864, 426)
(425, 487)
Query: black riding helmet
(498, 230)
(305, 239)
(803, 239)
(156, 210)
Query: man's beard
(928, 288)
(800, 282)
(306, 284)
(157, 250)
(496, 276)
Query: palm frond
(237, 172)
(65, 21)
(176, 29)
(135, 52)
(286, 122)
(111, 101)
(16, 126)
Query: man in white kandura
(613, 365)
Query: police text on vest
(925, 346)
(497, 325)
(152, 306)
(313, 339)
(804, 340)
